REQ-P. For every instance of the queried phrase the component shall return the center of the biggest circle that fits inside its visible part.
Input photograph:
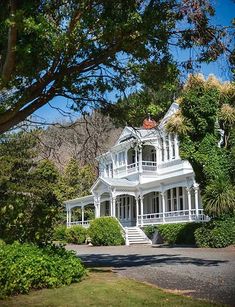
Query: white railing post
(189, 203)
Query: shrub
(178, 233)
(105, 231)
(60, 233)
(76, 234)
(149, 231)
(26, 266)
(216, 233)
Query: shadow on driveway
(135, 260)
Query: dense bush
(25, 266)
(178, 233)
(216, 233)
(59, 233)
(105, 231)
(76, 234)
(149, 231)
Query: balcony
(145, 167)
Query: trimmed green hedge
(25, 266)
(76, 234)
(106, 231)
(216, 233)
(178, 233)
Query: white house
(143, 181)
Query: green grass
(103, 288)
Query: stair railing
(125, 234)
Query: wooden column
(196, 194)
(189, 202)
(163, 205)
(137, 210)
(141, 209)
(82, 215)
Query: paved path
(203, 273)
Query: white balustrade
(85, 224)
(173, 217)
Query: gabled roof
(173, 108)
(113, 182)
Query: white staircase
(134, 235)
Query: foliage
(149, 231)
(59, 233)
(178, 233)
(154, 99)
(76, 234)
(75, 181)
(24, 267)
(29, 208)
(83, 50)
(206, 130)
(216, 233)
(219, 197)
(105, 231)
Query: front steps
(134, 235)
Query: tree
(83, 50)
(28, 206)
(75, 181)
(206, 124)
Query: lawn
(102, 288)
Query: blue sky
(225, 12)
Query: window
(121, 158)
(162, 147)
(167, 148)
(107, 208)
(169, 200)
(181, 199)
(155, 202)
(153, 155)
(174, 199)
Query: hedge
(26, 266)
(76, 234)
(216, 233)
(182, 233)
(105, 231)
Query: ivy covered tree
(82, 50)
(206, 127)
(28, 206)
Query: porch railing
(172, 217)
(84, 223)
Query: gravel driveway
(202, 273)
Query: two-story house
(143, 181)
